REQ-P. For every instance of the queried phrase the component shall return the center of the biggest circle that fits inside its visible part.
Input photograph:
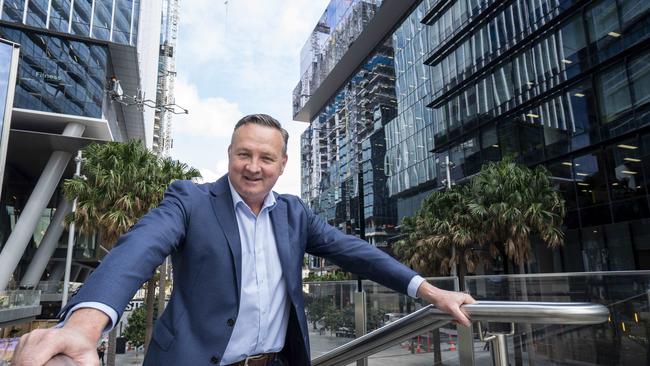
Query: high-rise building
(563, 84)
(82, 67)
(162, 128)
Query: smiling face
(256, 159)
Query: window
(591, 186)
(625, 170)
(573, 52)
(613, 92)
(634, 14)
(562, 178)
(604, 29)
(81, 17)
(580, 110)
(59, 15)
(640, 78)
(102, 19)
(13, 10)
(490, 145)
(37, 13)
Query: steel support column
(37, 202)
(47, 247)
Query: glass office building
(562, 84)
(81, 64)
(108, 20)
(565, 84)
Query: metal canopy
(48, 122)
(29, 151)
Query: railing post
(498, 344)
(360, 319)
(499, 350)
(465, 345)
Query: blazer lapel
(281, 232)
(225, 213)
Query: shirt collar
(269, 200)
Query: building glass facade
(58, 74)
(563, 84)
(409, 136)
(108, 20)
(343, 151)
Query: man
(237, 250)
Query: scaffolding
(162, 136)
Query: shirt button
(214, 360)
(231, 322)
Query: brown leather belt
(257, 360)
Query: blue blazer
(196, 225)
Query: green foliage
(335, 318)
(315, 306)
(330, 276)
(135, 330)
(500, 208)
(120, 183)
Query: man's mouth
(250, 179)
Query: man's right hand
(77, 339)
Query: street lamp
(447, 164)
(71, 231)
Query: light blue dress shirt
(263, 314)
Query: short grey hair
(264, 120)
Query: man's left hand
(447, 301)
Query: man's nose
(253, 166)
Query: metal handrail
(429, 318)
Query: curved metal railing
(429, 318)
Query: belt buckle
(255, 357)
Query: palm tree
(512, 203)
(501, 207)
(120, 183)
(443, 221)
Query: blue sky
(236, 58)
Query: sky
(235, 58)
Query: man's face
(255, 162)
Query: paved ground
(394, 356)
(130, 358)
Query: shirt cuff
(112, 314)
(415, 283)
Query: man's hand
(448, 301)
(77, 339)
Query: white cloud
(208, 116)
(234, 60)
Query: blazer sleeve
(355, 255)
(138, 252)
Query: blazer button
(214, 360)
(231, 322)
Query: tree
(315, 306)
(512, 203)
(135, 330)
(120, 183)
(500, 208)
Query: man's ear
(284, 163)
